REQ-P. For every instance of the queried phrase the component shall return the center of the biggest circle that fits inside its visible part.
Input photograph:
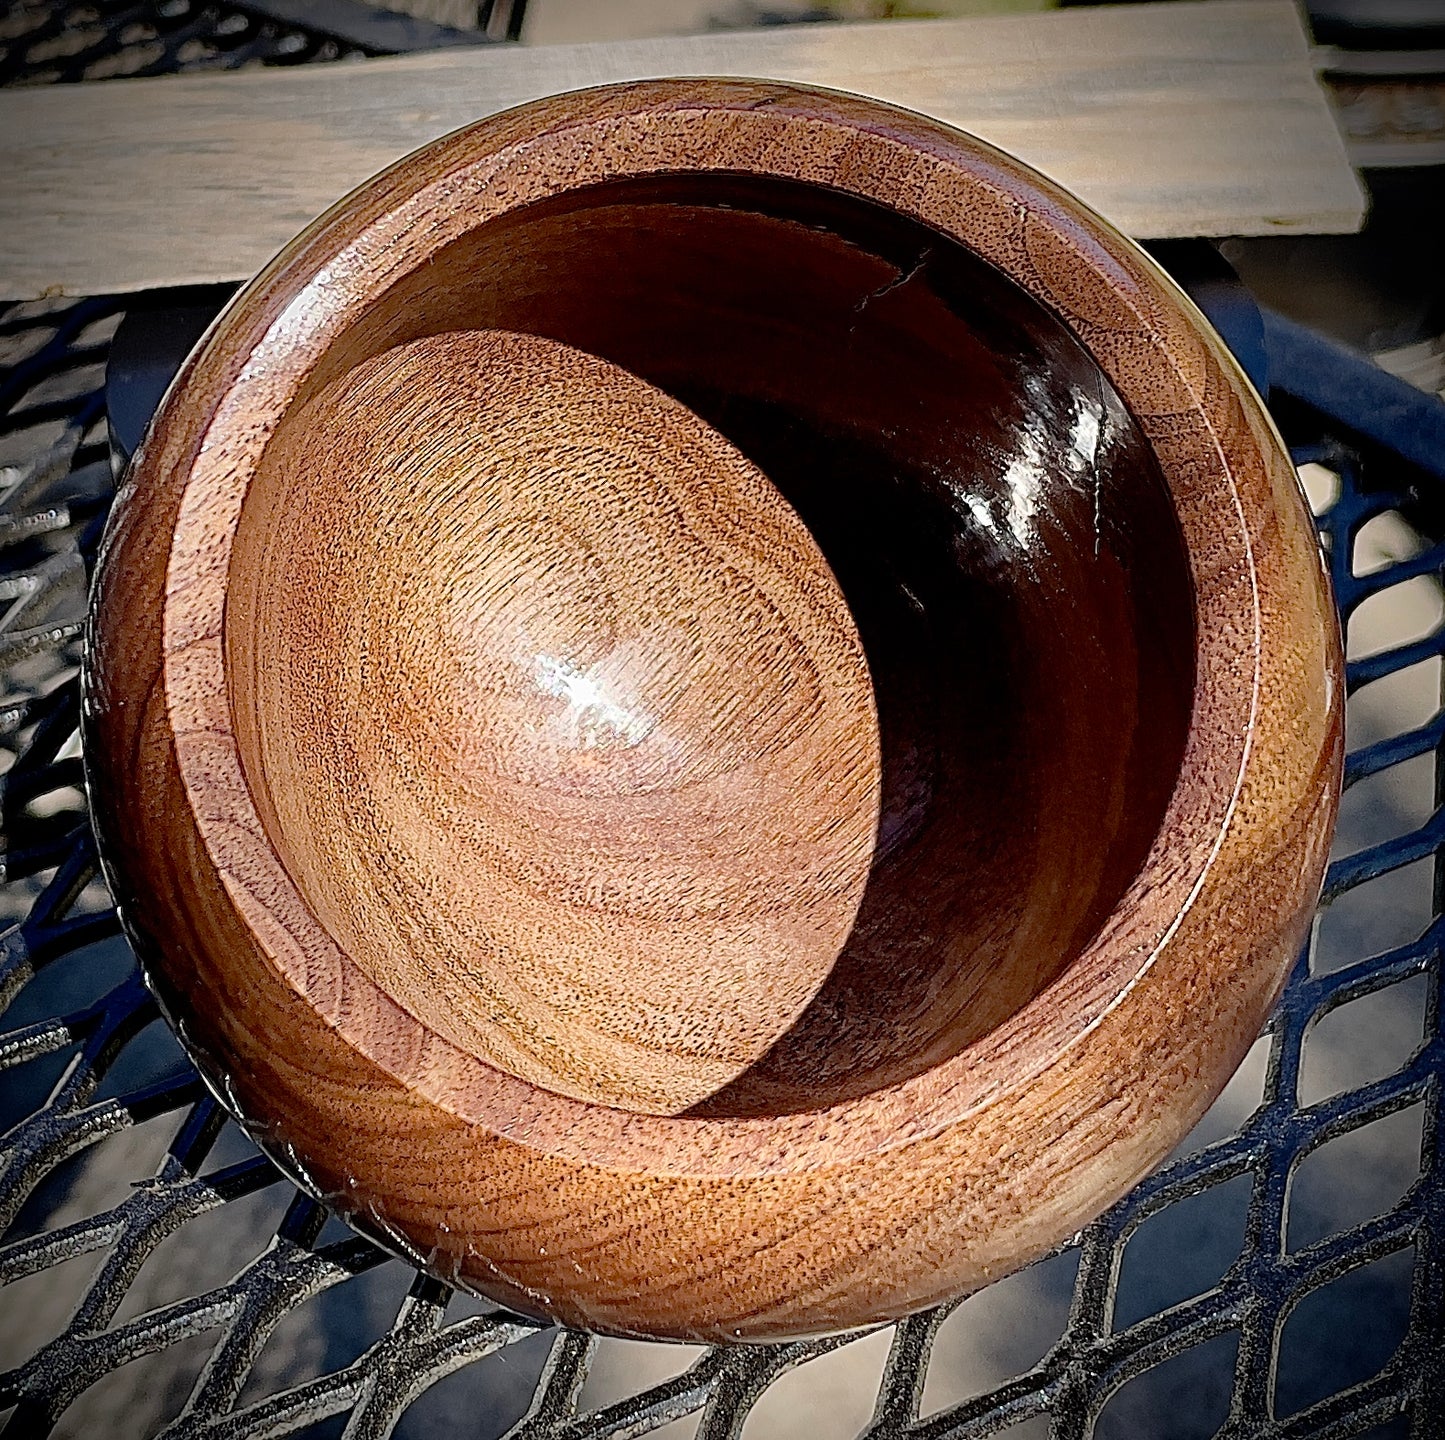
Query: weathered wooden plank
(1172, 119)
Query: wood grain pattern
(1171, 119)
(562, 724)
(1106, 666)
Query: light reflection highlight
(597, 719)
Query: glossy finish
(1105, 666)
(555, 712)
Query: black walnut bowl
(714, 709)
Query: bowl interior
(991, 511)
(592, 793)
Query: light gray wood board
(1194, 118)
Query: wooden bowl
(715, 710)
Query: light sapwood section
(1171, 119)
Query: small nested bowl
(714, 710)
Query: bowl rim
(1157, 350)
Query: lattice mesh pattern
(1281, 1276)
(43, 43)
(99, 1094)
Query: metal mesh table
(1282, 1275)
